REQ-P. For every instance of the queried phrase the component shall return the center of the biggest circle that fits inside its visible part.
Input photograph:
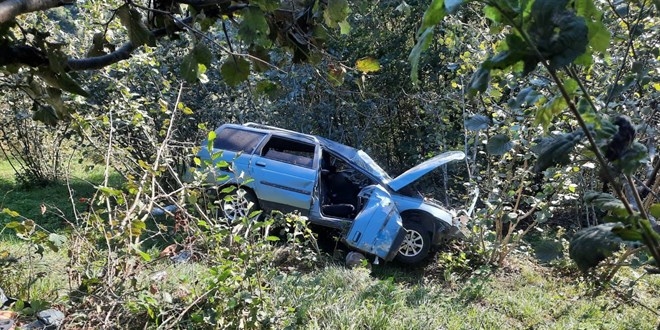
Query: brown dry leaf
(153, 288)
(169, 251)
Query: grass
(27, 201)
(522, 295)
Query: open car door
(377, 229)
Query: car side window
(289, 151)
(237, 140)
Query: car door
(233, 146)
(377, 229)
(284, 173)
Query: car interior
(340, 186)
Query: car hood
(420, 170)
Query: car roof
(328, 144)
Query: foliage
(564, 38)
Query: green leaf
(499, 145)
(138, 33)
(344, 27)
(479, 81)
(477, 123)
(254, 28)
(555, 150)
(268, 88)
(46, 115)
(433, 15)
(62, 81)
(452, 5)
(145, 256)
(559, 34)
(546, 113)
(335, 12)
(202, 54)
(604, 201)
(189, 68)
(654, 210)
(633, 158)
(422, 44)
(235, 70)
(10, 213)
(267, 5)
(493, 14)
(590, 246)
(367, 65)
(56, 241)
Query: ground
(524, 294)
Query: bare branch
(9, 9)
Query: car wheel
(416, 245)
(241, 204)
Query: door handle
(260, 163)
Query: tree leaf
(633, 158)
(202, 54)
(555, 150)
(254, 28)
(62, 81)
(546, 113)
(57, 241)
(422, 44)
(477, 123)
(235, 70)
(267, 5)
(590, 246)
(654, 210)
(189, 68)
(367, 64)
(604, 201)
(138, 33)
(433, 15)
(46, 115)
(479, 81)
(336, 12)
(499, 145)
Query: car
(334, 185)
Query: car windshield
(358, 158)
(362, 160)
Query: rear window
(237, 140)
(289, 151)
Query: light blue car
(334, 185)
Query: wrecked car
(334, 185)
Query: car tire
(242, 203)
(416, 245)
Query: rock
(49, 319)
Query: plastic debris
(7, 320)
(158, 211)
(3, 298)
(183, 256)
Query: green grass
(58, 198)
(523, 296)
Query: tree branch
(9, 9)
(122, 53)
